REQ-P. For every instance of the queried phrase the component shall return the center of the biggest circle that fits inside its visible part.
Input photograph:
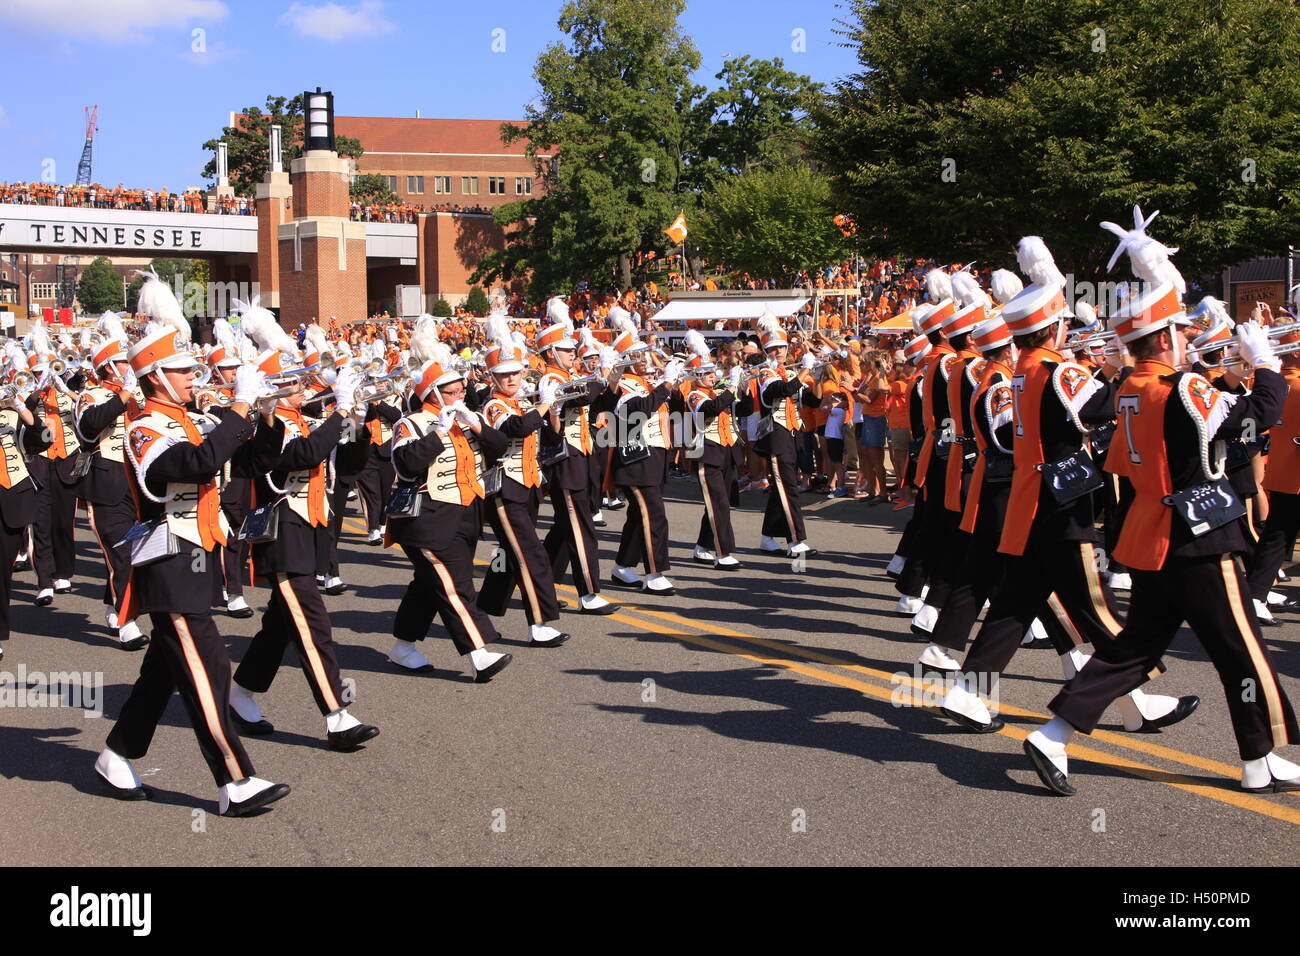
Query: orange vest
(1282, 473)
(929, 375)
(1137, 452)
(993, 373)
(520, 459)
(1033, 376)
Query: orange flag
(677, 231)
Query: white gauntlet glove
(1255, 347)
(673, 372)
(345, 390)
(447, 418)
(808, 361)
(466, 418)
(608, 358)
(737, 373)
(250, 384)
(546, 392)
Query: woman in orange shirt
(873, 391)
(898, 418)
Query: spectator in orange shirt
(873, 390)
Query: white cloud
(117, 21)
(333, 22)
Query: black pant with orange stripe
(645, 531)
(522, 563)
(572, 538)
(1211, 595)
(187, 654)
(110, 523)
(715, 525)
(783, 519)
(1084, 606)
(1275, 543)
(53, 548)
(295, 613)
(444, 586)
(374, 485)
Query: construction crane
(83, 168)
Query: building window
(442, 185)
(415, 184)
(469, 185)
(392, 182)
(497, 185)
(45, 290)
(523, 185)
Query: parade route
(766, 716)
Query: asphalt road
(750, 719)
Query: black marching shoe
(348, 740)
(1052, 778)
(1186, 705)
(1275, 786)
(243, 808)
(122, 793)
(974, 726)
(22, 564)
(496, 667)
(134, 644)
(45, 598)
(253, 728)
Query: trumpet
(576, 387)
(366, 366)
(202, 375)
(290, 381)
(20, 385)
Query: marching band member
(1049, 538)
(907, 566)
(568, 477)
(53, 549)
(176, 458)
(237, 490)
(441, 452)
(780, 394)
(102, 413)
(296, 488)
(1183, 567)
(17, 492)
(597, 424)
(640, 464)
(512, 511)
(716, 451)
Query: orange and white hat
(433, 374)
(915, 350)
(1219, 325)
(1034, 308)
(503, 359)
(158, 350)
(558, 336)
(990, 335)
(109, 351)
(938, 285)
(771, 335)
(972, 308)
(271, 362)
(1149, 312)
(220, 357)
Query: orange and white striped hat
(271, 362)
(917, 349)
(109, 351)
(1034, 308)
(158, 351)
(219, 357)
(1149, 312)
(989, 335)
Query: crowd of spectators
(401, 212)
(96, 196)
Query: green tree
(372, 188)
(99, 288)
(612, 112)
(477, 301)
(248, 143)
(972, 124)
(441, 308)
(770, 222)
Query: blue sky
(160, 98)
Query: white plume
(1006, 285)
(621, 320)
(497, 331)
(1218, 312)
(519, 340)
(696, 343)
(110, 326)
(158, 302)
(939, 285)
(967, 290)
(40, 338)
(557, 310)
(1085, 313)
(1036, 262)
(768, 322)
(225, 337)
(587, 338)
(315, 340)
(424, 338)
(1148, 257)
(260, 325)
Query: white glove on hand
(1254, 346)
(737, 373)
(129, 381)
(608, 358)
(345, 389)
(546, 392)
(673, 372)
(447, 418)
(250, 384)
(466, 418)
(60, 384)
(808, 361)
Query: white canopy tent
(732, 307)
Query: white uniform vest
(111, 443)
(297, 484)
(14, 460)
(180, 501)
(441, 483)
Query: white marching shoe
(110, 618)
(119, 776)
(130, 637)
(728, 561)
(1045, 748)
(1262, 612)
(244, 796)
(965, 708)
(923, 621)
(1144, 713)
(625, 577)
(1072, 662)
(246, 713)
(1120, 581)
(375, 537)
(62, 585)
(594, 604)
(659, 585)
(895, 566)
(238, 607)
(769, 544)
(909, 605)
(937, 658)
(704, 555)
(544, 635)
(485, 664)
(408, 657)
(1270, 774)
